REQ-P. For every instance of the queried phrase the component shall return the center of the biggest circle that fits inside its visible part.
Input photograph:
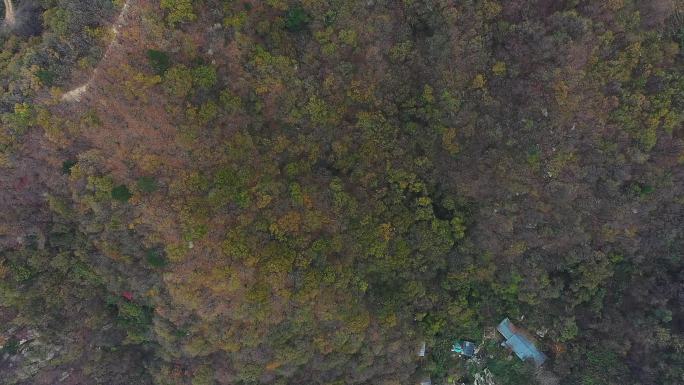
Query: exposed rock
(75, 94)
(33, 355)
(542, 332)
(485, 377)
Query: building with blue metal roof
(522, 345)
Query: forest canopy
(200, 192)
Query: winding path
(10, 19)
(75, 94)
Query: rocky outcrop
(485, 377)
(32, 353)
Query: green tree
(159, 61)
(121, 193)
(296, 19)
(178, 11)
(204, 76)
(178, 81)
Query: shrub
(601, 365)
(147, 184)
(479, 82)
(237, 20)
(230, 101)
(499, 68)
(11, 347)
(203, 376)
(534, 157)
(22, 118)
(121, 193)
(513, 372)
(46, 77)
(57, 20)
(67, 165)
(21, 273)
(178, 81)
(207, 112)
(204, 76)
(131, 313)
(348, 37)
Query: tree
(296, 19)
(121, 193)
(178, 11)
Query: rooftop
(522, 345)
(421, 350)
(464, 348)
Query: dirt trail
(10, 19)
(75, 94)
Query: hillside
(306, 191)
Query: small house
(421, 350)
(426, 381)
(520, 342)
(464, 348)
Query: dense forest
(248, 192)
